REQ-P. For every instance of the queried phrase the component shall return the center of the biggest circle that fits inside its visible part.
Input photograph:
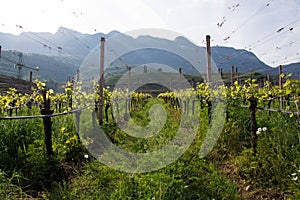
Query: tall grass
(27, 171)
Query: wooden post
(71, 97)
(77, 123)
(179, 79)
(101, 81)
(30, 81)
(78, 75)
(129, 77)
(208, 55)
(47, 124)
(232, 75)
(30, 77)
(253, 126)
(193, 107)
(78, 113)
(129, 82)
(280, 85)
(280, 78)
(270, 101)
(237, 74)
(268, 79)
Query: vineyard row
(284, 99)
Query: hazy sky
(269, 28)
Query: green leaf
(287, 83)
(288, 91)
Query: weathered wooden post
(253, 122)
(78, 75)
(129, 82)
(237, 75)
(101, 81)
(232, 75)
(30, 81)
(47, 124)
(208, 55)
(268, 79)
(280, 86)
(30, 76)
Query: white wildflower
(294, 178)
(258, 132)
(264, 129)
(259, 129)
(86, 156)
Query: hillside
(58, 67)
(293, 68)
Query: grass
(229, 171)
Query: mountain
(59, 55)
(178, 53)
(245, 61)
(293, 68)
(64, 41)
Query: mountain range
(59, 55)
